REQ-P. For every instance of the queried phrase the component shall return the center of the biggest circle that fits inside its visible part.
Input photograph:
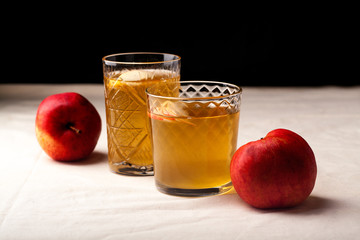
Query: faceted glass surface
(194, 135)
(128, 132)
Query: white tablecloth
(44, 199)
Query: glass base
(202, 192)
(125, 168)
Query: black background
(66, 46)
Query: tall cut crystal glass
(194, 135)
(126, 76)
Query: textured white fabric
(44, 199)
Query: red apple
(67, 126)
(276, 171)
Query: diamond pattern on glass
(125, 123)
(224, 102)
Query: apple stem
(78, 131)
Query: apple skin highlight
(276, 171)
(67, 126)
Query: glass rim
(238, 91)
(178, 58)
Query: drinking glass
(194, 128)
(126, 76)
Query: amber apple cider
(194, 152)
(127, 124)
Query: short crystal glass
(126, 76)
(194, 131)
